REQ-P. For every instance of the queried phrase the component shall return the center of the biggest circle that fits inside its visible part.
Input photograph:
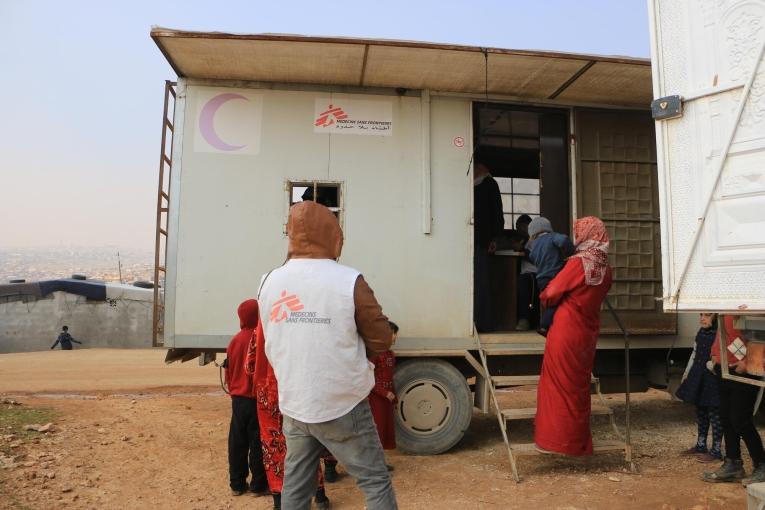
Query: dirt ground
(133, 433)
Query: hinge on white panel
(665, 108)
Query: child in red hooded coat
(244, 451)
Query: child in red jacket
(244, 451)
(382, 399)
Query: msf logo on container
(330, 116)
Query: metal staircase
(505, 415)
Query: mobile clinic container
(385, 131)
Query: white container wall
(712, 159)
(234, 158)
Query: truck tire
(434, 406)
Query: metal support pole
(627, 403)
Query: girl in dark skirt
(701, 387)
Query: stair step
(528, 413)
(514, 380)
(520, 380)
(597, 447)
(514, 348)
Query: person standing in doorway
(65, 339)
(244, 451)
(489, 223)
(320, 322)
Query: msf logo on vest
(289, 309)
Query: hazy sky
(82, 86)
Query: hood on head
(314, 232)
(248, 314)
(538, 225)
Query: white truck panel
(228, 212)
(710, 53)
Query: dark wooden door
(554, 181)
(617, 181)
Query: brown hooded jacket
(315, 233)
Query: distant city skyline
(83, 82)
(50, 262)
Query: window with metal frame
(327, 193)
(519, 196)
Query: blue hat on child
(539, 225)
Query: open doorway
(526, 152)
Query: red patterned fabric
(591, 241)
(269, 416)
(732, 333)
(562, 422)
(382, 408)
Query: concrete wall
(35, 324)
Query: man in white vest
(321, 322)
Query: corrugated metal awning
(529, 75)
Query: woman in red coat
(562, 423)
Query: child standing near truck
(382, 399)
(244, 452)
(701, 388)
(548, 250)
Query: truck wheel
(434, 406)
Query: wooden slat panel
(460, 71)
(528, 413)
(279, 61)
(521, 380)
(617, 178)
(414, 65)
(597, 447)
(628, 85)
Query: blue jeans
(546, 318)
(353, 441)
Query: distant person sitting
(323, 197)
(548, 253)
(527, 278)
(519, 236)
(65, 339)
